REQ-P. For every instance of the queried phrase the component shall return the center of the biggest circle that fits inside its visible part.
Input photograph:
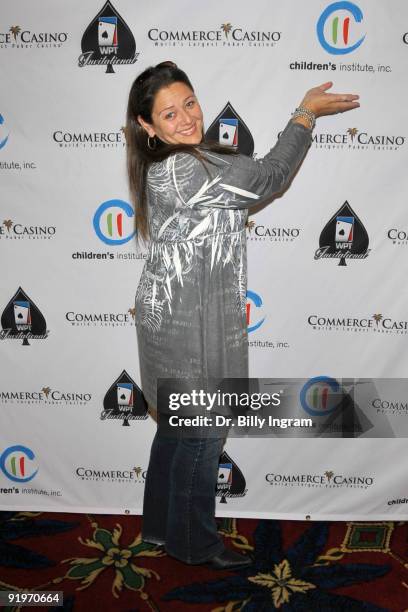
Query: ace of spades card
(344, 229)
(224, 473)
(125, 394)
(108, 32)
(228, 133)
(22, 314)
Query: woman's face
(177, 117)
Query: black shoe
(229, 559)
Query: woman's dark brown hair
(139, 155)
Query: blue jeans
(179, 497)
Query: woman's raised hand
(321, 103)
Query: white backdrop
(70, 266)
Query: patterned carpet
(100, 563)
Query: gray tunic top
(191, 298)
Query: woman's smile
(188, 132)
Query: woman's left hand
(321, 103)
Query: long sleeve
(238, 181)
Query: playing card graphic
(22, 315)
(229, 128)
(224, 473)
(228, 132)
(124, 401)
(344, 229)
(125, 394)
(108, 32)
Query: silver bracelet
(301, 111)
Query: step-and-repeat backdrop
(327, 261)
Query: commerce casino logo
(339, 28)
(376, 323)
(102, 319)
(18, 37)
(390, 406)
(136, 475)
(327, 479)
(226, 35)
(398, 236)
(124, 401)
(22, 320)
(343, 237)
(4, 133)
(353, 139)
(254, 316)
(45, 396)
(114, 222)
(228, 128)
(107, 41)
(18, 463)
(230, 481)
(261, 232)
(12, 230)
(90, 139)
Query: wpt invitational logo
(22, 320)
(339, 28)
(228, 128)
(107, 41)
(124, 401)
(230, 481)
(18, 463)
(343, 237)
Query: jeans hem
(208, 557)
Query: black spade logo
(22, 317)
(230, 481)
(124, 401)
(344, 236)
(108, 40)
(225, 132)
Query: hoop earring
(149, 145)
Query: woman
(191, 200)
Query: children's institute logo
(107, 41)
(229, 129)
(22, 320)
(4, 134)
(338, 28)
(343, 237)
